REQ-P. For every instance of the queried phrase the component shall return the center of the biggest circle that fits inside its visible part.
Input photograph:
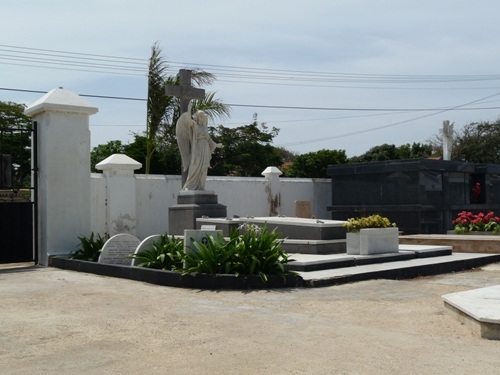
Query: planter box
(373, 241)
(352, 243)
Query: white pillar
(63, 170)
(272, 174)
(121, 217)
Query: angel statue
(196, 148)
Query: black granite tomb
(421, 196)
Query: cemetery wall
(243, 196)
(97, 203)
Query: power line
(352, 109)
(390, 125)
(75, 53)
(124, 65)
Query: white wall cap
(61, 100)
(270, 171)
(118, 162)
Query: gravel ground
(55, 321)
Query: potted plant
(372, 234)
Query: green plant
(89, 248)
(466, 221)
(210, 257)
(255, 252)
(165, 254)
(372, 221)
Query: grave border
(175, 279)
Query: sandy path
(62, 322)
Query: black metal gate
(18, 195)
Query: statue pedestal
(193, 204)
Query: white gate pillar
(63, 170)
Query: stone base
(477, 309)
(190, 206)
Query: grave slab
(301, 228)
(194, 235)
(426, 251)
(118, 248)
(479, 309)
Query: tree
(391, 152)
(15, 141)
(246, 150)
(377, 153)
(415, 151)
(12, 116)
(314, 164)
(165, 160)
(101, 152)
(163, 110)
(478, 142)
(158, 104)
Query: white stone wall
(97, 203)
(316, 190)
(243, 196)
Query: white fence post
(121, 193)
(272, 174)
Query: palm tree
(163, 111)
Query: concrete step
(399, 269)
(340, 260)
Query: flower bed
(252, 259)
(467, 222)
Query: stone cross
(184, 91)
(447, 133)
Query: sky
(335, 74)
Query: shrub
(372, 221)
(165, 254)
(89, 248)
(255, 252)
